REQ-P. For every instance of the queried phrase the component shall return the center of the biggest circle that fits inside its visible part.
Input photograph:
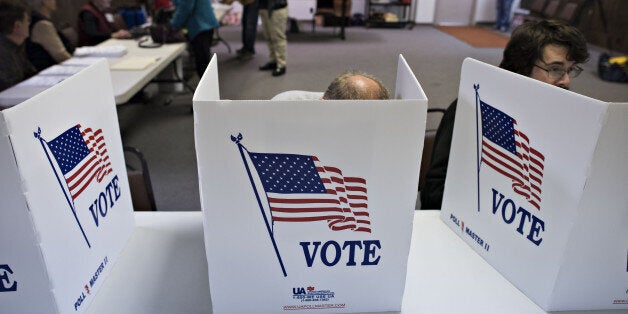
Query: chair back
(139, 180)
(551, 9)
(569, 12)
(428, 148)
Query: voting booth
(308, 205)
(66, 209)
(536, 185)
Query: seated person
(14, 25)
(546, 50)
(347, 85)
(97, 24)
(46, 45)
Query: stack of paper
(41, 80)
(109, 51)
(134, 63)
(67, 70)
(81, 61)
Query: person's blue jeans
(249, 26)
(503, 14)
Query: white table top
(163, 269)
(125, 83)
(128, 83)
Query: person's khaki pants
(274, 28)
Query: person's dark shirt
(432, 191)
(272, 4)
(93, 29)
(14, 65)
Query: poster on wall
(66, 209)
(308, 205)
(536, 186)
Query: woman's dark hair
(528, 41)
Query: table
(128, 83)
(163, 269)
(125, 83)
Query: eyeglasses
(556, 72)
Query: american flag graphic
(300, 189)
(508, 151)
(82, 157)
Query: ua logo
(6, 284)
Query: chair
(569, 12)
(139, 180)
(538, 6)
(428, 147)
(551, 9)
(537, 10)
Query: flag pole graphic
(477, 137)
(42, 141)
(259, 202)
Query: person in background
(96, 24)
(14, 29)
(250, 12)
(46, 45)
(546, 50)
(197, 16)
(163, 5)
(349, 85)
(502, 22)
(356, 85)
(274, 15)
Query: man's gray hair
(342, 87)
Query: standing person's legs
(503, 15)
(201, 45)
(249, 26)
(279, 41)
(266, 29)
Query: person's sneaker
(279, 71)
(245, 55)
(268, 66)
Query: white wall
(424, 11)
(453, 12)
(485, 11)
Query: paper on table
(61, 70)
(81, 61)
(110, 51)
(134, 63)
(43, 80)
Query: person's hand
(121, 34)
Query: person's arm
(432, 192)
(91, 27)
(45, 34)
(182, 11)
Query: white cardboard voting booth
(66, 210)
(547, 205)
(308, 205)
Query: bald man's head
(356, 85)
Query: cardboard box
(66, 209)
(336, 237)
(551, 218)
